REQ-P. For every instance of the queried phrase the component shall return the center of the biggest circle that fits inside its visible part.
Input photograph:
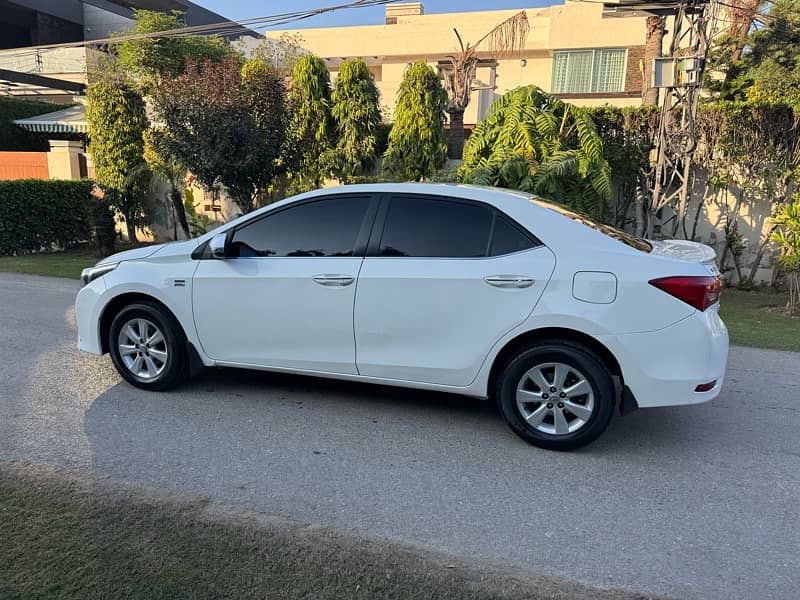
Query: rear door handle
(333, 280)
(509, 281)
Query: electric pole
(678, 75)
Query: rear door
(444, 279)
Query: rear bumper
(663, 368)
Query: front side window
(328, 227)
(589, 71)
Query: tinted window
(323, 228)
(508, 238)
(619, 235)
(431, 227)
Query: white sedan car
(477, 291)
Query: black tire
(176, 367)
(572, 355)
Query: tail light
(700, 292)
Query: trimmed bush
(13, 137)
(37, 214)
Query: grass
(68, 264)
(756, 319)
(67, 536)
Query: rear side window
(419, 226)
(508, 238)
(612, 232)
(326, 227)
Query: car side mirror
(217, 245)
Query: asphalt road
(694, 502)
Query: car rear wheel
(148, 347)
(557, 395)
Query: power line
(222, 27)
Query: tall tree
(226, 124)
(115, 114)
(534, 142)
(504, 39)
(417, 144)
(311, 127)
(281, 54)
(151, 57)
(357, 116)
(764, 65)
(146, 60)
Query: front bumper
(88, 306)
(663, 368)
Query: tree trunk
(793, 304)
(455, 135)
(759, 257)
(180, 211)
(131, 230)
(652, 49)
(700, 204)
(639, 208)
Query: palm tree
(504, 39)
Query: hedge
(37, 214)
(13, 137)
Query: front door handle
(333, 280)
(509, 281)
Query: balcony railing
(44, 61)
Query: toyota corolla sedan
(476, 291)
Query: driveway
(694, 502)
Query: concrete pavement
(694, 502)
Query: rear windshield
(612, 232)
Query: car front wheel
(557, 395)
(148, 347)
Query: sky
(247, 9)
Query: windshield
(612, 232)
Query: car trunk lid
(688, 251)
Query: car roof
(476, 192)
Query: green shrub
(417, 143)
(37, 214)
(13, 137)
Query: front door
(446, 280)
(284, 297)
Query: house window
(589, 71)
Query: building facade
(576, 50)
(26, 70)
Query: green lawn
(755, 319)
(54, 264)
(66, 537)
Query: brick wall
(24, 165)
(633, 72)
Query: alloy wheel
(555, 398)
(142, 348)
